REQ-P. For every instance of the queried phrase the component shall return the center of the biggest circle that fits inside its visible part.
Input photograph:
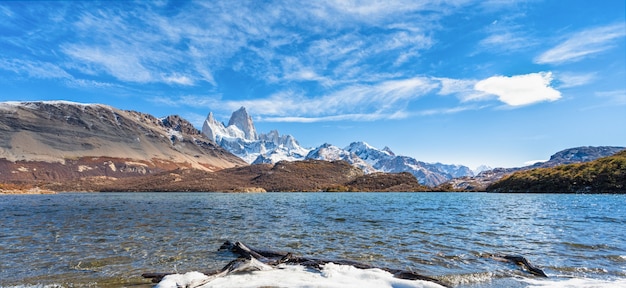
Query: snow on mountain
(243, 121)
(481, 168)
(240, 138)
(368, 153)
(431, 174)
(330, 152)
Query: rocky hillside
(46, 141)
(604, 175)
(284, 176)
(481, 181)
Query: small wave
(575, 283)
(581, 270)
(617, 258)
(587, 246)
(469, 278)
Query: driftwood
(274, 258)
(519, 261)
(257, 260)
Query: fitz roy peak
(240, 138)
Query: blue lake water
(110, 239)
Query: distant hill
(604, 175)
(485, 178)
(58, 141)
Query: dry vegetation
(604, 175)
(305, 176)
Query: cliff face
(62, 140)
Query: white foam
(575, 283)
(181, 280)
(331, 276)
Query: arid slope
(62, 140)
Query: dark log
(519, 261)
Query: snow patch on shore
(294, 276)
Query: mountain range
(240, 138)
(65, 146)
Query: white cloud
(521, 89)
(178, 79)
(583, 44)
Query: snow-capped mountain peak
(330, 152)
(368, 153)
(240, 138)
(243, 121)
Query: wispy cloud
(615, 97)
(583, 44)
(114, 61)
(34, 69)
(570, 79)
(520, 90)
(505, 42)
(385, 98)
(358, 102)
(178, 79)
(316, 61)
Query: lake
(110, 239)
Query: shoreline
(30, 191)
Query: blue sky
(461, 81)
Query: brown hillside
(56, 141)
(305, 176)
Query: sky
(473, 82)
